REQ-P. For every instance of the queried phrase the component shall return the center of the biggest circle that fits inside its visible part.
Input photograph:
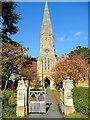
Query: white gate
(37, 101)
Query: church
(46, 60)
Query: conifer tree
(9, 20)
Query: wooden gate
(37, 101)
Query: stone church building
(47, 60)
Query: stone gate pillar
(21, 109)
(68, 99)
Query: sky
(69, 22)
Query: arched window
(47, 63)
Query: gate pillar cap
(68, 84)
(21, 85)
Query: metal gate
(37, 101)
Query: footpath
(52, 111)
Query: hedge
(9, 103)
(81, 100)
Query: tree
(12, 51)
(29, 70)
(12, 60)
(75, 67)
(78, 50)
(9, 20)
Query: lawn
(75, 116)
(57, 95)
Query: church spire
(46, 25)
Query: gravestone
(21, 109)
(67, 105)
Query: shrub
(9, 112)
(81, 100)
(9, 103)
(9, 97)
(12, 101)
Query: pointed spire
(46, 25)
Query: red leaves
(84, 69)
(29, 70)
(75, 67)
(13, 86)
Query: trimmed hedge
(81, 100)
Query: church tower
(46, 60)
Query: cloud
(75, 36)
(61, 38)
(78, 33)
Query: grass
(75, 116)
(57, 95)
(72, 116)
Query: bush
(9, 103)
(81, 100)
(9, 112)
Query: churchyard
(16, 106)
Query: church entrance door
(47, 83)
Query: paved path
(53, 111)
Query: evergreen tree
(78, 50)
(9, 20)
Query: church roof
(46, 25)
(34, 58)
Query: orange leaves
(8, 59)
(12, 58)
(20, 53)
(10, 47)
(75, 67)
(11, 51)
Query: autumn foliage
(75, 67)
(12, 59)
(29, 70)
